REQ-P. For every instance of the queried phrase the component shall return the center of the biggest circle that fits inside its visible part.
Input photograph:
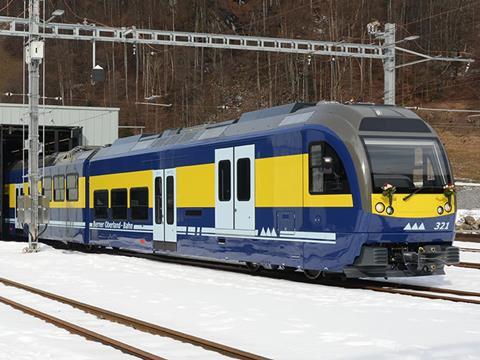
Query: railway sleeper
(403, 260)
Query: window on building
(119, 204)
(59, 188)
(100, 203)
(243, 179)
(170, 201)
(327, 174)
(72, 187)
(158, 201)
(224, 180)
(47, 187)
(139, 203)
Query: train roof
(284, 116)
(344, 119)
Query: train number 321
(441, 225)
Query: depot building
(61, 128)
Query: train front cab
(412, 208)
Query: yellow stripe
(196, 186)
(417, 206)
(278, 181)
(123, 181)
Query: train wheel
(312, 274)
(253, 267)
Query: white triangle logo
(268, 232)
(421, 227)
(262, 233)
(274, 233)
(407, 227)
(415, 226)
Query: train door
(235, 188)
(223, 188)
(164, 207)
(18, 193)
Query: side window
(170, 201)
(326, 171)
(100, 203)
(119, 204)
(139, 203)
(158, 200)
(243, 179)
(224, 180)
(47, 187)
(59, 188)
(72, 187)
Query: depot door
(164, 206)
(235, 188)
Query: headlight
(440, 210)
(448, 207)
(379, 207)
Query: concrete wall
(99, 125)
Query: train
(357, 190)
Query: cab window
(327, 174)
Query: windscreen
(407, 164)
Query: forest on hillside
(208, 85)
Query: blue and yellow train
(361, 190)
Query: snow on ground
(163, 347)
(23, 337)
(274, 318)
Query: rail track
(468, 237)
(427, 292)
(104, 314)
(469, 265)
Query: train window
(100, 202)
(408, 164)
(139, 203)
(170, 201)
(224, 180)
(59, 188)
(243, 179)
(119, 204)
(327, 174)
(158, 200)
(72, 187)
(47, 187)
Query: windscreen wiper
(416, 191)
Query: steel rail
(470, 250)
(467, 237)
(468, 265)
(75, 329)
(421, 294)
(139, 324)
